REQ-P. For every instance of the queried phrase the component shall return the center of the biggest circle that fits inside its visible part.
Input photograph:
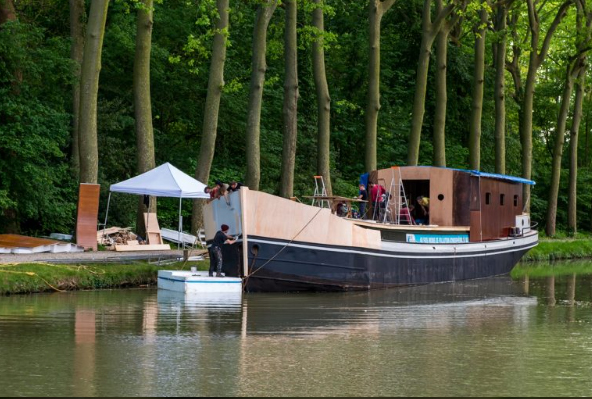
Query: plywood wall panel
(87, 215)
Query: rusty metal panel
(461, 212)
(87, 215)
(475, 234)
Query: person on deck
(376, 195)
(362, 195)
(405, 215)
(234, 186)
(222, 237)
(213, 191)
(422, 215)
(223, 187)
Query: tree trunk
(500, 90)
(323, 99)
(377, 9)
(258, 69)
(7, 11)
(77, 21)
(143, 102)
(429, 32)
(536, 59)
(572, 209)
(289, 112)
(89, 87)
(212, 107)
(558, 152)
(478, 79)
(439, 157)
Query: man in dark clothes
(234, 186)
(222, 237)
(363, 195)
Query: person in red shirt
(376, 196)
(405, 215)
(213, 191)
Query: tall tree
(571, 73)
(323, 98)
(575, 66)
(537, 56)
(77, 23)
(499, 51)
(143, 100)
(89, 87)
(439, 158)
(583, 18)
(478, 83)
(212, 107)
(7, 11)
(572, 193)
(258, 68)
(429, 31)
(290, 107)
(377, 9)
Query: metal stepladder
(320, 191)
(397, 201)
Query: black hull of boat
(276, 266)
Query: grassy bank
(542, 269)
(560, 248)
(40, 277)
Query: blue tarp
(364, 177)
(364, 180)
(502, 177)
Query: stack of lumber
(116, 235)
(123, 239)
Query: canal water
(528, 334)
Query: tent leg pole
(106, 216)
(180, 224)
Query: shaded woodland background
(39, 178)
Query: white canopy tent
(162, 181)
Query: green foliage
(35, 188)
(38, 192)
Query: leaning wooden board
(88, 213)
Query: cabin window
(440, 197)
(487, 198)
(502, 198)
(515, 200)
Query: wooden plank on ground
(152, 247)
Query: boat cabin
(489, 205)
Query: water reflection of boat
(444, 304)
(220, 300)
(477, 229)
(447, 304)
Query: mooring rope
(281, 249)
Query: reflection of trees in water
(566, 283)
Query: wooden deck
(388, 226)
